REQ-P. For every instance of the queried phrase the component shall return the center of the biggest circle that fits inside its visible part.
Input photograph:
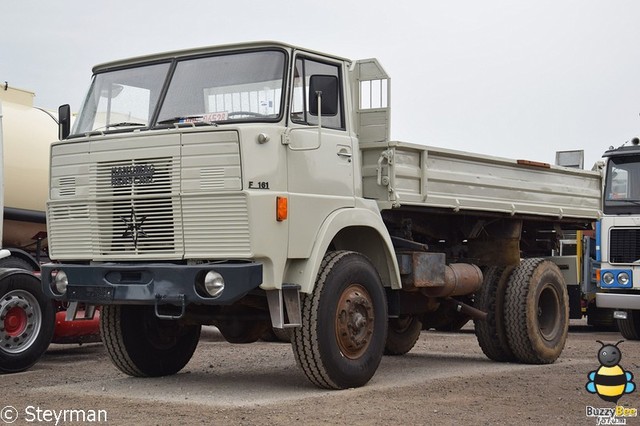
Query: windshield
(245, 86)
(128, 96)
(622, 187)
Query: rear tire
(630, 327)
(241, 332)
(27, 320)
(282, 335)
(344, 323)
(142, 345)
(537, 312)
(491, 333)
(402, 334)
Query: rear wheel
(630, 327)
(141, 344)
(536, 312)
(27, 320)
(491, 333)
(239, 331)
(344, 323)
(277, 335)
(402, 334)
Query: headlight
(623, 278)
(608, 278)
(60, 282)
(213, 284)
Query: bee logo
(610, 381)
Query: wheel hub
(548, 312)
(20, 321)
(354, 321)
(15, 322)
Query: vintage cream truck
(256, 185)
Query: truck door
(319, 160)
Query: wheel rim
(548, 313)
(20, 321)
(354, 321)
(161, 334)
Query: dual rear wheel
(528, 312)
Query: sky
(510, 78)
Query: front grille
(164, 197)
(624, 245)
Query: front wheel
(630, 327)
(344, 323)
(142, 345)
(27, 320)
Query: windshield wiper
(125, 124)
(636, 202)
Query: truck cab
(619, 238)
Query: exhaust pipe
(460, 279)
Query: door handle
(344, 153)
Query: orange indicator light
(281, 209)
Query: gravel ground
(445, 379)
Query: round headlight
(213, 284)
(623, 278)
(608, 278)
(60, 282)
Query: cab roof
(204, 51)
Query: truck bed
(400, 173)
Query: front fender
(355, 229)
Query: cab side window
(304, 103)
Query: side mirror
(64, 121)
(328, 88)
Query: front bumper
(618, 300)
(115, 283)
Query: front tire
(630, 327)
(344, 323)
(27, 320)
(536, 312)
(142, 345)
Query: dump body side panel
(400, 173)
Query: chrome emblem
(138, 174)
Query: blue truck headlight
(623, 278)
(615, 278)
(608, 278)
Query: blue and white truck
(618, 238)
